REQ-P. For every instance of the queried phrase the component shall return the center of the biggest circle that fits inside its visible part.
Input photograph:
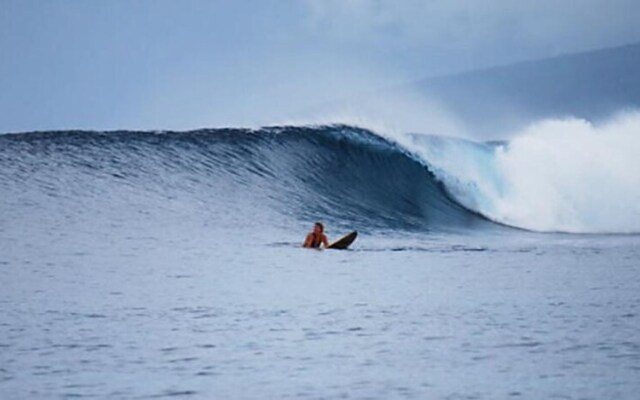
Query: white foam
(557, 175)
(573, 176)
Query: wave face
(346, 176)
(559, 176)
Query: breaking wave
(558, 176)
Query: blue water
(167, 264)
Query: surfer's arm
(325, 241)
(308, 241)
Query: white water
(557, 175)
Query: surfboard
(344, 242)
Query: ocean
(169, 264)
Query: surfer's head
(318, 227)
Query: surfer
(316, 237)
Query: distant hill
(590, 85)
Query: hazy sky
(144, 64)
